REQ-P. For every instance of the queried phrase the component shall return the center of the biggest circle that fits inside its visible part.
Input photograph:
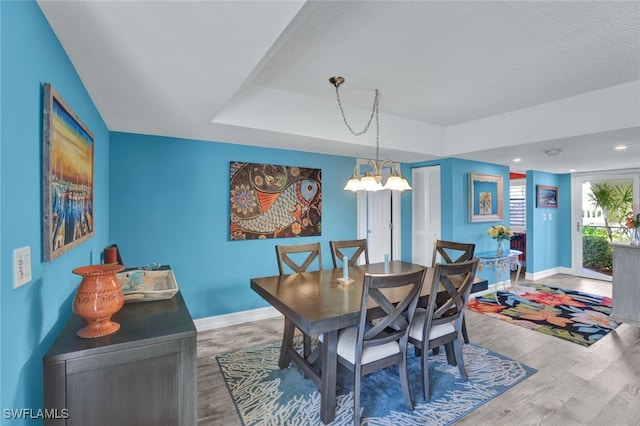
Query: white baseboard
(219, 321)
(534, 276)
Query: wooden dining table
(317, 304)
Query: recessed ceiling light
(552, 152)
(517, 160)
(572, 170)
(620, 147)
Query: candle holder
(345, 272)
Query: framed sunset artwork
(67, 177)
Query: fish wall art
(272, 201)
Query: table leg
(495, 284)
(515, 286)
(329, 365)
(497, 268)
(287, 341)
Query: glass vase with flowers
(633, 223)
(500, 233)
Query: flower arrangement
(633, 221)
(500, 232)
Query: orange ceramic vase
(99, 296)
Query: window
(518, 205)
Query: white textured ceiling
(481, 80)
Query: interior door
(379, 225)
(589, 219)
(425, 213)
(379, 222)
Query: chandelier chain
(374, 112)
(375, 103)
(371, 180)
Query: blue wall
(454, 187)
(33, 314)
(551, 246)
(167, 200)
(454, 190)
(170, 204)
(552, 237)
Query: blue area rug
(266, 395)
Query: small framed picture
(485, 197)
(546, 197)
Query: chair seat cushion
(436, 331)
(347, 347)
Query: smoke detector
(553, 152)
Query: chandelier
(371, 180)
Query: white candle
(345, 268)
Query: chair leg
(457, 348)
(356, 396)
(425, 373)
(451, 358)
(465, 336)
(404, 381)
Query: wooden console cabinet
(626, 284)
(144, 374)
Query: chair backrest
(455, 279)
(341, 248)
(452, 252)
(298, 263)
(518, 241)
(394, 325)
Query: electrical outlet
(21, 266)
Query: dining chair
(519, 242)
(298, 257)
(372, 346)
(353, 249)
(441, 324)
(453, 252)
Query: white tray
(157, 285)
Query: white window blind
(517, 205)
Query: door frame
(396, 223)
(396, 227)
(576, 210)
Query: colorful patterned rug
(265, 395)
(568, 314)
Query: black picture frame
(546, 197)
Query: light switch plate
(21, 266)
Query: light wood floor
(574, 385)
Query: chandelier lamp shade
(371, 170)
